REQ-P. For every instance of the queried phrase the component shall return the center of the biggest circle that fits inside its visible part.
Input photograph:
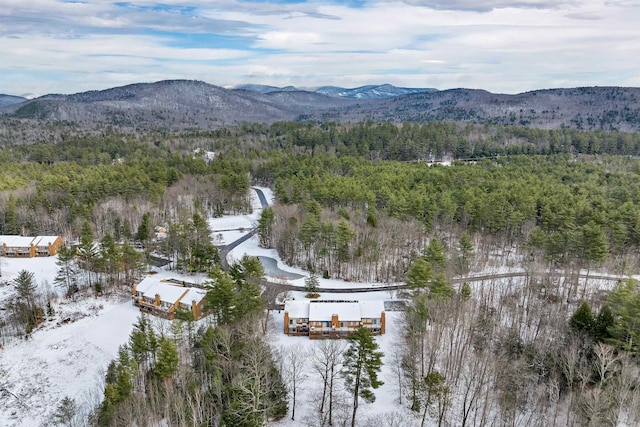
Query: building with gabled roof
(332, 319)
(47, 245)
(29, 246)
(164, 299)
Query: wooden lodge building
(163, 299)
(332, 319)
(29, 247)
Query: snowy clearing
(62, 359)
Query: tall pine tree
(362, 363)
(66, 277)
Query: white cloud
(488, 5)
(499, 45)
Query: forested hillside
(426, 205)
(183, 104)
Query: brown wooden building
(160, 298)
(332, 319)
(29, 246)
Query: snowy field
(62, 360)
(43, 269)
(66, 356)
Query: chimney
(286, 323)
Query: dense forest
(217, 375)
(374, 202)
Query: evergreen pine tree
(593, 243)
(435, 256)
(582, 319)
(344, 234)
(465, 291)
(220, 298)
(167, 360)
(278, 396)
(110, 258)
(440, 288)
(66, 276)
(125, 369)
(466, 251)
(466, 245)
(139, 340)
(362, 363)
(50, 310)
(265, 227)
(312, 286)
(26, 307)
(145, 230)
(372, 217)
(65, 412)
(604, 321)
(436, 392)
(247, 275)
(624, 303)
(87, 251)
(25, 285)
(419, 274)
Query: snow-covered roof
(371, 309)
(150, 287)
(323, 310)
(16, 241)
(146, 283)
(44, 240)
(26, 241)
(348, 311)
(168, 293)
(297, 309)
(193, 294)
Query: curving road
(224, 250)
(261, 197)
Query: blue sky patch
(204, 40)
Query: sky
(504, 46)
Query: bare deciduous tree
(295, 371)
(326, 361)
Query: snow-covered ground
(68, 355)
(386, 403)
(69, 358)
(43, 269)
(62, 359)
(232, 227)
(251, 247)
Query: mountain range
(186, 103)
(10, 99)
(362, 92)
